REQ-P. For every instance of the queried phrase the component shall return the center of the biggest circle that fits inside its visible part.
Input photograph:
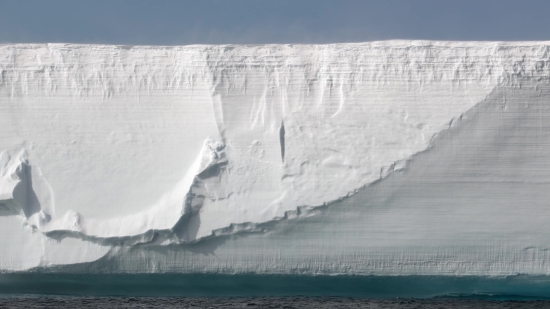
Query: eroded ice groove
(152, 146)
(282, 140)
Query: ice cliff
(398, 157)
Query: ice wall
(275, 158)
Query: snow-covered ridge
(104, 144)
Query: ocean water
(261, 302)
(251, 285)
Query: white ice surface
(100, 145)
(474, 203)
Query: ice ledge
(26, 193)
(22, 195)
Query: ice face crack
(282, 140)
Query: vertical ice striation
(104, 148)
(282, 140)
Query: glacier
(384, 158)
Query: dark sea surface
(260, 302)
(48, 290)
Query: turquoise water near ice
(215, 285)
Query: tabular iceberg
(397, 157)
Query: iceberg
(384, 158)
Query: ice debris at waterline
(384, 158)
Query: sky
(183, 22)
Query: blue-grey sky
(171, 22)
